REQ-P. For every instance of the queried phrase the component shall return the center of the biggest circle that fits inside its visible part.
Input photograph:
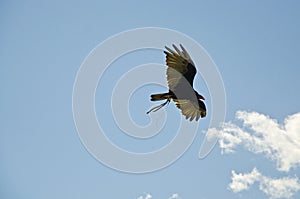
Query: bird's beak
(201, 97)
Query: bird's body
(180, 76)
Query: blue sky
(254, 44)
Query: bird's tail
(158, 97)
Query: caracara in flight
(180, 76)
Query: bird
(180, 74)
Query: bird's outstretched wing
(191, 109)
(184, 67)
(181, 72)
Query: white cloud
(242, 182)
(259, 133)
(145, 196)
(279, 188)
(275, 188)
(174, 196)
(149, 196)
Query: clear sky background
(255, 45)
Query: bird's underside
(180, 76)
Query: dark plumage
(181, 72)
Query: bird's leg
(156, 108)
